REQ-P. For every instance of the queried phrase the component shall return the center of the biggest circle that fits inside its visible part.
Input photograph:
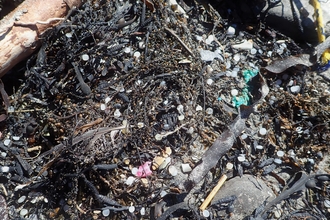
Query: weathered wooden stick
(22, 29)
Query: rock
(250, 193)
(282, 14)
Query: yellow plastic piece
(325, 58)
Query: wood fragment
(22, 29)
(213, 192)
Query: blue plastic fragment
(249, 74)
(322, 68)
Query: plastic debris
(207, 55)
(160, 159)
(172, 170)
(262, 131)
(245, 45)
(144, 170)
(186, 168)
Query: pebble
(165, 163)
(263, 131)
(234, 92)
(68, 35)
(295, 89)
(244, 136)
(85, 57)
(186, 168)
(172, 170)
(140, 124)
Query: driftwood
(22, 29)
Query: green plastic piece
(244, 98)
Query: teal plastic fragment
(249, 74)
(244, 98)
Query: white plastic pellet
(143, 211)
(142, 45)
(180, 108)
(209, 81)
(206, 213)
(241, 158)
(130, 180)
(172, 170)
(103, 107)
(244, 136)
(107, 100)
(280, 153)
(210, 39)
(23, 212)
(234, 92)
(259, 147)
(131, 209)
(277, 161)
(127, 50)
(106, 212)
(199, 108)
(158, 137)
(21, 199)
(253, 51)
(68, 35)
(140, 124)
(186, 168)
(181, 117)
(6, 142)
(229, 166)
(237, 57)
(263, 131)
(85, 57)
(16, 138)
(231, 31)
(117, 113)
(295, 89)
(134, 170)
(209, 111)
(3, 154)
(136, 54)
(327, 203)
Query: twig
(178, 38)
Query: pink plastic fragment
(144, 170)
